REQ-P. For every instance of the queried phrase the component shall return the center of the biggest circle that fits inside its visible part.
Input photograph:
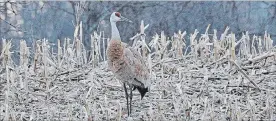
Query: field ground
(194, 94)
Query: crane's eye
(117, 14)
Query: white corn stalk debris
(182, 83)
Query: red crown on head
(118, 14)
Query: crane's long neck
(115, 35)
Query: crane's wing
(137, 66)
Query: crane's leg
(130, 98)
(126, 98)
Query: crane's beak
(125, 19)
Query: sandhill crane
(126, 63)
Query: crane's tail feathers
(142, 91)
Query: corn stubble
(220, 78)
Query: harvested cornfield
(214, 77)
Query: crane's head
(116, 16)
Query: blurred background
(54, 20)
